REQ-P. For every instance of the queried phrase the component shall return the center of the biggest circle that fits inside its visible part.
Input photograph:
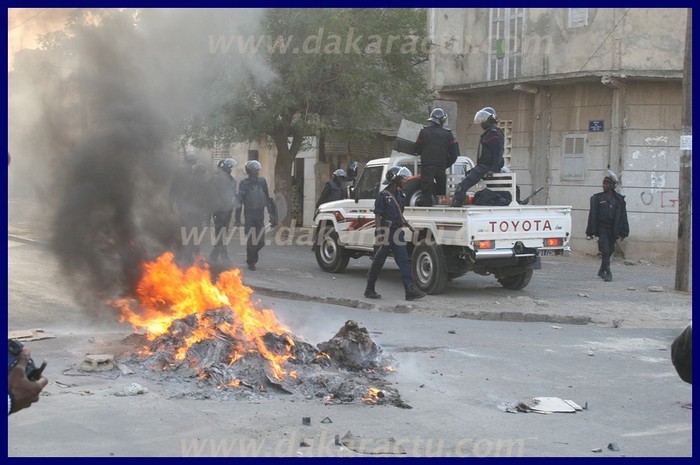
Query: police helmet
(486, 116)
(438, 116)
(227, 164)
(252, 167)
(397, 175)
(610, 178)
(353, 166)
(339, 174)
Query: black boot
(601, 272)
(608, 276)
(412, 293)
(370, 293)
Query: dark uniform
(195, 208)
(333, 190)
(179, 184)
(177, 194)
(389, 235)
(223, 196)
(351, 178)
(253, 198)
(607, 219)
(438, 150)
(489, 158)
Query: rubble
(348, 368)
(93, 362)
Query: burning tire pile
(211, 335)
(348, 368)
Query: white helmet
(486, 115)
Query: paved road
(457, 374)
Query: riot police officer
(607, 219)
(351, 178)
(224, 194)
(389, 235)
(490, 154)
(179, 183)
(438, 150)
(253, 198)
(333, 190)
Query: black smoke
(122, 84)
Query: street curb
(400, 308)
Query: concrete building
(578, 91)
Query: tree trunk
(283, 174)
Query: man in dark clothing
(607, 219)
(389, 235)
(351, 178)
(489, 156)
(223, 187)
(333, 190)
(195, 210)
(253, 198)
(438, 150)
(177, 188)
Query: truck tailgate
(531, 225)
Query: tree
(330, 71)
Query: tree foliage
(345, 71)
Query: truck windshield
(368, 184)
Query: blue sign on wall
(597, 125)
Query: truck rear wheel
(429, 268)
(330, 255)
(518, 281)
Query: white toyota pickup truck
(446, 242)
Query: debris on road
(132, 389)
(655, 289)
(24, 335)
(543, 405)
(614, 446)
(366, 445)
(95, 362)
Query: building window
(573, 166)
(578, 17)
(507, 128)
(505, 43)
(253, 154)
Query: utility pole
(685, 169)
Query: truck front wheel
(330, 255)
(429, 268)
(517, 281)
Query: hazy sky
(25, 25)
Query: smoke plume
(95, 125)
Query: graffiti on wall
(657, 194)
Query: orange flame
(373, 395)
(167, 293)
